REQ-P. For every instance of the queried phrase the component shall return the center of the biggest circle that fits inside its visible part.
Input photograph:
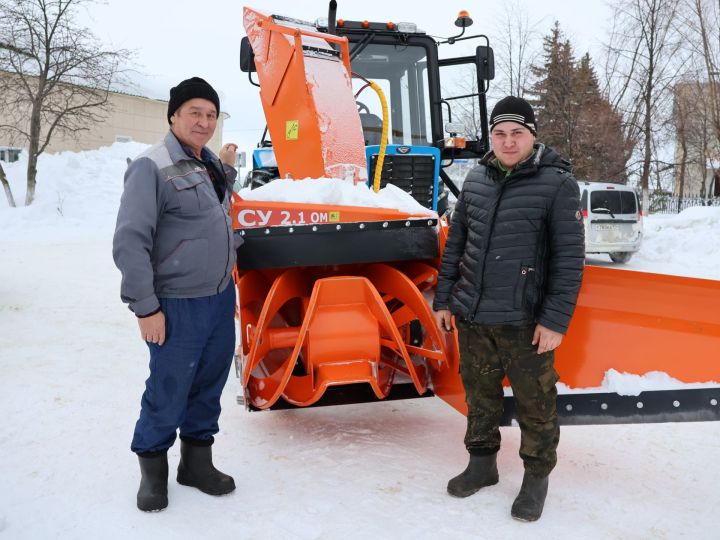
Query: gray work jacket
(173, 237)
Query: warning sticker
(292, 128)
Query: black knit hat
(514, 109)
(189, 89)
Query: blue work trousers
(188, 372)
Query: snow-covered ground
(72, 371)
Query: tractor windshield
(401, 73)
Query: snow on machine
(334, 298)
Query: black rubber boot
(528, 505)
(196, 470)
(152, 495)
(480, 472)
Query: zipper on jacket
(491, 227)
(230, 241)
(228, 197)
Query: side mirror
(247, 56)
(485, 61)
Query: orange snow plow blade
(633, 322)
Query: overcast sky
(174, 40)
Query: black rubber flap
(338, 243)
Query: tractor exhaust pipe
(332, 12)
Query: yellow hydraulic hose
(383, 137)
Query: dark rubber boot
(196, 470)
(152, 495)
(480, 472)
(528, 505)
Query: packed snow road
(72, 373)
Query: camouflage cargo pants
(487, 354)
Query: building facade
(126, 118)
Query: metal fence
(670, 204)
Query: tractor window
(401, 73)
(458, 80)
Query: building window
(8, 154)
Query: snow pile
(334, 191)
(628, 384)
(75, 192)
(687, 243)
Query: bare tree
(641, 69)
(55, 77)
(680, 112)
(518, 48)
(6, 187)
(700, 28)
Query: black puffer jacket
(516, 249)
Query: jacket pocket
(194, 193)
(524, 291)
(186, 193)
(548, 380)
(185, 267)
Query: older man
(510, 275)
(175, 247)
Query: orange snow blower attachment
(307, 98)
(331, 297)
(335, 304)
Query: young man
(510, 275)
(175, 247)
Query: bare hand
(152, 328)
(546, 339)
(228, 154)
(442, 318)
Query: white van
(613, 219)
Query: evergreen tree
(554, 93)
(574, 117)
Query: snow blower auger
(334, 298)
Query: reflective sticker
(292, 128)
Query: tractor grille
(414, 174)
